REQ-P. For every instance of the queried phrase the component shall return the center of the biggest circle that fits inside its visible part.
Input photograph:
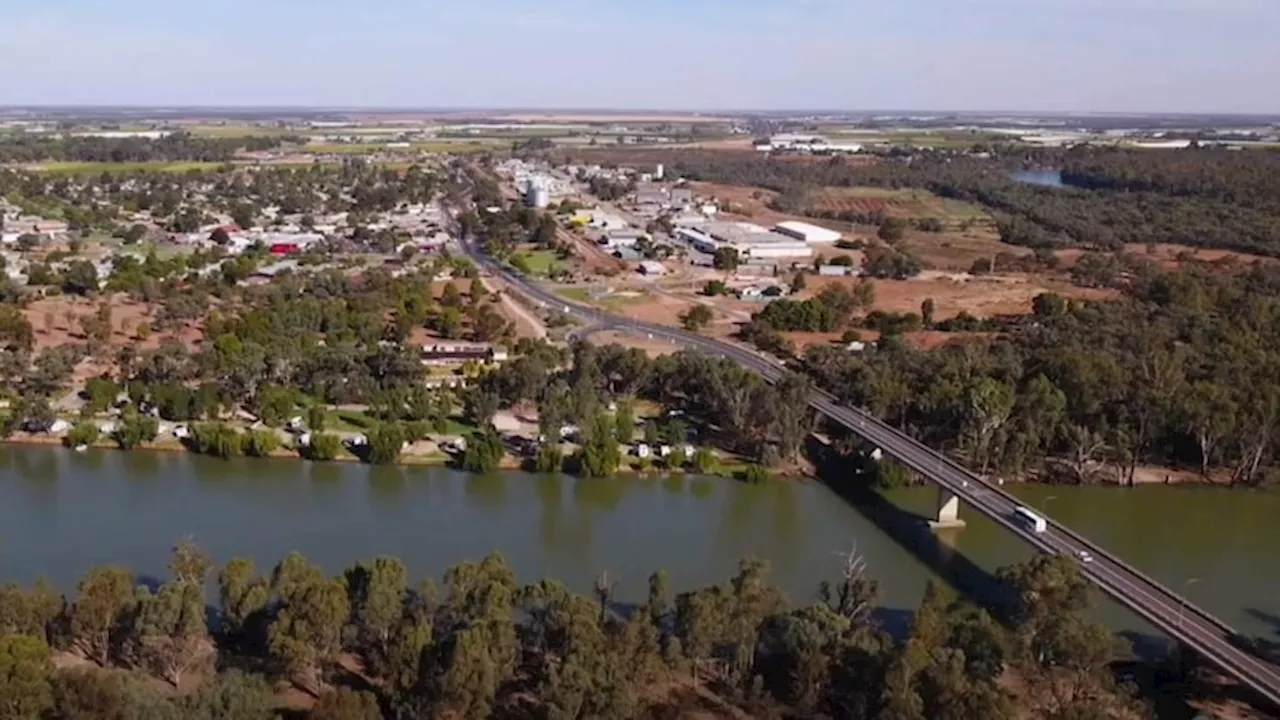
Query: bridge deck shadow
(911, 530)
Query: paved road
(1163, 608)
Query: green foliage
(103, 598)
(216, 439)
(676, 458)
(549, 458)
(99, 394)
(624, 419)
(323, 448)
(386, 442)
(704, 461)
(696, 317)
(26, 666)
(134, 429)
(714, 288)
(484, 452)
(599, 455)
(755, 474)
(85, 433)
(261, 443)
(231, 695)
(317, 418)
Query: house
(614, 239)
(652, 267)
(453, 353)
(837, 270)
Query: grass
(90, 168)
(541, 262)
(440, 146)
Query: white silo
(658, 172)
(536, 193)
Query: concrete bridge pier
(948, 515)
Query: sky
(978, 55)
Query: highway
(1168, 611)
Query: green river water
(63, 512)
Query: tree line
(1206, 202)
(1178, 372)
(175, 147)
(369, 644)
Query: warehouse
(754, 242)
(805, 232)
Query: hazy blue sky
(1059, 55)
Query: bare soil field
(1167, 255)
(980, 297)
(752, 204)
(956, 250)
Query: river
(1048, 178)
(62, 513)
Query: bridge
(1168, 611)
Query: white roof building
(805, 232)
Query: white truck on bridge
(1032, 521)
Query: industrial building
(753, 242)
(614, 239)
(815, 144)
(805, 232)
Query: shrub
(704, 461)
(324, 447)
(484, 451)
(385, 443)
(676, 458)
(754, 474)
(261, 443)
(217, 439)
(85, 433)
(549, 459)
(135, 429)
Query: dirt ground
(1167, 255)
(629, 340)
(752, 204)
(953, 294)
(57, 321)
(956, 250)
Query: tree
(892, 230)
(317, 418)
(305, 637)
(103, 598)
(624, 419)
(85, 433)
(169, 635)
(220, 237)
(798, 282)
(714, 288)
(484, 451)
(261, 443)
(386, 442)
(696, 317)
(134, 429)
(599, 455)
(725, 258)
(81, 278)
(26, 666)
(927, 310)
(324, 447)
(376, 592)
(1047, 305)
(243, 597)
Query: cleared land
(980, 297)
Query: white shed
(805, 232)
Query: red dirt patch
(980, 297)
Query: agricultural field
(96, 168)
(905, 203)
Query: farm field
(88, 168)
(907, 203)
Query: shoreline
(1178, 478)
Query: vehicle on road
(1085, 557)
(1029, 519)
